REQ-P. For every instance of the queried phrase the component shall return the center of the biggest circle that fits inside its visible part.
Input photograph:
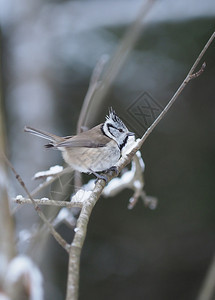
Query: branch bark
(77, 244)
(48, 202)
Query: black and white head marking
(115, 129)
(113, 116)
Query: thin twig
(117, 61)
(48, 202)
(55, 234)
(43, 185)
(75, 250)
(94, 83)
(202, 53)
(191, 75)
(208, 288)
(198, 73)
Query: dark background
(49, 51)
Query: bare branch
(80, 234)
(202, 53)
(51, 180)
(48, 202)
(198, 73)
(76, 200)
(116, 62)
(208, 288)
(55, 234)
(189, 77)
(94, 83)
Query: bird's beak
(130, 133)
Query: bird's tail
(54, 139)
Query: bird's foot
(99, 176)
(113, 169)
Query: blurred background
(49, 50)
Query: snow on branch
(53, 171)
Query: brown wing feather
(92, 138)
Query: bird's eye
(120, 130)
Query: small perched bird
(92, 151)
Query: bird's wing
(92, 138)
(88, 143)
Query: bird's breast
(97, 159)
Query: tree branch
(93, 86)
(55, 234)
(48, 202)
(80, 234)
(115, 64)
(47, 183)
(208, 287)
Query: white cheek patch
(106, 131)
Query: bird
(93, 151)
